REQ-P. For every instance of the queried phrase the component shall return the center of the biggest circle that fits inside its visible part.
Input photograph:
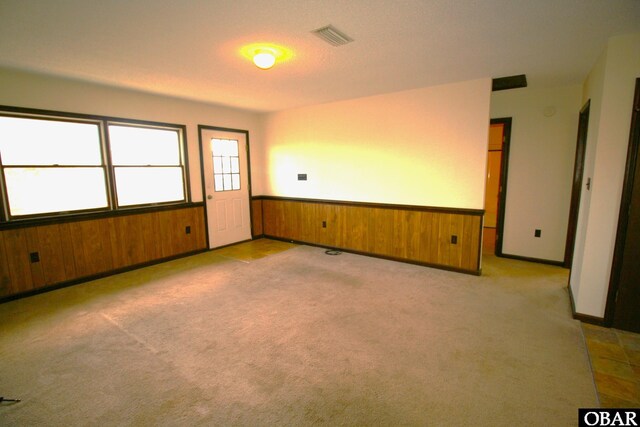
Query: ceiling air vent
(332, 35)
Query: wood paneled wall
(73, 250)
(416, 234)
(256, 218)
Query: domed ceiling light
(266, 55)
(264, 58)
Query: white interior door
(226, 180)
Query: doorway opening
(496, 185)
(623, 298)
(576, 191)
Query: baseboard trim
(374, 255)
(85, 279)
(585, 318)
(528, 259)
(592, 320)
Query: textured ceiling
(190, 48)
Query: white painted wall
(22, 89)
(593, 88)
(541, 159)
(610, 87)
(419, 147)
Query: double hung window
(64, 164)
(147, 165)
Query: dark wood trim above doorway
(576, 191)
(504, 173)
(509, 82)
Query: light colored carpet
(298, 338)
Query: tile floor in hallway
(615, 361)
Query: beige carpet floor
(298, 338)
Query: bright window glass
(144, 146)
(34, 191)
(143, 185)
(147, 165)
(51, 166)
(226, 164)
(26, 141)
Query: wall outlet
(454, 239)
(187, 229)
(302, 177)
(34, 257)
(324, 224)
(537, 233)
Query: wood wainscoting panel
(455, 251)
(443, 237)
(171, 227)
(256, 218)
(293, 226)
(382, 231)
(411, 249)
(336, 233)
(68, 255)
(17, 267)
(134, 239)
(270, 214)
(71, 250)
(444, 224)
(37, 274)
(50, 243)
(6, 282)
(425, 237)
(320, 226)
(357, 225)
(309, 217)
(91, 242)
(472, 238)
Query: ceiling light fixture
(264, 58)
(265, 55)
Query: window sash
(45, 190)
(77, 142)
(136, 140)
(132, 145)
(133, 189)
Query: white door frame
(202, 128)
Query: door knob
(209, 197)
